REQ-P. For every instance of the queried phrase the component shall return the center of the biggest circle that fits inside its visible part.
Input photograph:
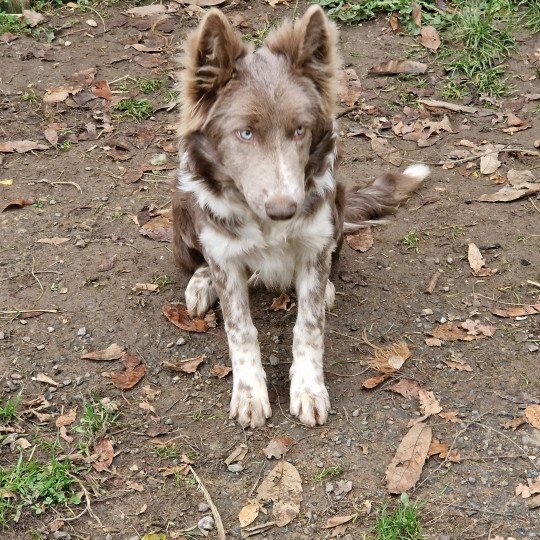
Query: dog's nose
(280, 208)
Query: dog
(256, 199)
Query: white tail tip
(418, 171)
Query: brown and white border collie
(256, 198)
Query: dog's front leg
(249, 403)
(309, 396)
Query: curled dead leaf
(220, 371)
(185, 366)
(278, 447)
(66, 419)
(282, 302)
(104, 453)
(361, 240)
(429, 38)
(518, 311)
(406, 387)
(478, 263)
(112, 352)
(373, 382)
(390, 358)
(178, 315)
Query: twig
(37, 279)
(98, 14)
(535, 283)
(348, 110)
(215, 513)
(74, 184)
(16, 311)
(252, 490)
(346, 375)
(433, 281)
(88, 507)
(481, 510)
(535, 207)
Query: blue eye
(299, 132)
(246, 134)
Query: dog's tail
(382, 198)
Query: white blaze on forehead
(288, 184)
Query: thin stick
(535, 207)
(37, 279)
(98, 14)
(74, 184)
(215, 513)
(16, 311)
(433, 281)
(535, 283)
(88, 507)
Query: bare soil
(385, 301)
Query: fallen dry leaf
(395, 67)
(457, 363)
(176, 469)
(517, 177)
(101, 89)
(104, 452)
(147, 11)
(112, 352)
(33, 18)
(142, 287)
(406, 387)
(508, 194)
(386, 151)
(343, 487)
(67, 419)
(248, 514)
(433, 342)
(134, 372)
(185, 366)
(373, 382)
(16, 203)
(55, 241)
(478, 263)
(451, 331)
(531, 488)
(361, 240)
(350, 88)
(390, 358)
(476, 328)
(64, 435)
(406, 466)
(178, 315)
(438, 448)
(283, 486)
(278, 447)
(532, 413)
(158, 228)
(515, 423)
(41, 377)
(335, 521)
(238, 454)
(220, 371)
(21, 146)
(518, 311)
(429, 405)
(449, 416)
(429, 38)
(282, 302)
(489, 162)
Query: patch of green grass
(38, 203)
(411, 241)
(30, 96)
(8, 411)
(36, 485)
(531, 16)
(162, 281)
(13, 25)
(455, 89)
(401, 524)
(64, 146)
(134, 108)
(328, 472)
(96, 419)
(166, 452)
(258, 36)
(148, 86)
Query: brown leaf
(119, 150)
(393, 21)
(145, 287)
(238, 454)
(395, 67)
(176, 469)
(42, 378)
(350, 88)
(433, 342)
(417, 14)
(406, 466)
(106, 264)
(134, 372)
(278, 447)
(67, 419)
(105, 453)
(21, 146)
(83, 77)
(508, 194)
(515, 423)
(429, 405)
(406, 387)
(476, 328)
(449, 416)
(64, 435)
(32, 18)
(457, 363)
(489, 163)
(282, 302)
(208, 3)
(149, 61)
(390, 358)
(517, 177)
(185, 366)
(386, 151)
(158, 228)
(112, 352)
(55, 241)
(147, 11)
(335, 521)
(178, 315)
(429, 38)
(518, 311)
(478, 263)
(451, 331)
(17, 203)
(220, 371)
(532, 413)
(438, 448)
(51, 135)
(373, 382)
(361, 240)
(283, 486)
(515, 129)
(101, 89)
(248, 514)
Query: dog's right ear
(211, 54)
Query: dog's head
(261, 122)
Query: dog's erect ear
(211, 54)
(310, 47)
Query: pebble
(450, 260)
(81, 331)
(274, 360)
(426, 312)
(16, 376)
(320, 464)
(40, 347)
(235, 467)
(180, 341)
(50, 329)
(79, 381)
(66, 382)
(80, 243)
(203, 507)
(168, 421)
(206, 523)
(58, 535)
(356, 412)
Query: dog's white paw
(200, 293)
(329, 296)
(310, 403)
(250, 404)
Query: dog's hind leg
(329, 296)
(200, 293)
(309, 397)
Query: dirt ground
(87, 284)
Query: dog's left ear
(310, 47)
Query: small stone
(40, 347)
(61, 535)
(2, 335)
(274, 360)
(329, 487)
(427, 311)
(320, 464)
(16, 376)
(168, 421)
(170, 344)
(235, 467)
(206, 523)
(532, 347)
(79, 381)
(50, 329)
(203, 507)
(52, 201)
(81, 331)
(180, 341)
(450, 260)
(356, 412)
(26, 339)
(66, 382)
(81, 243)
